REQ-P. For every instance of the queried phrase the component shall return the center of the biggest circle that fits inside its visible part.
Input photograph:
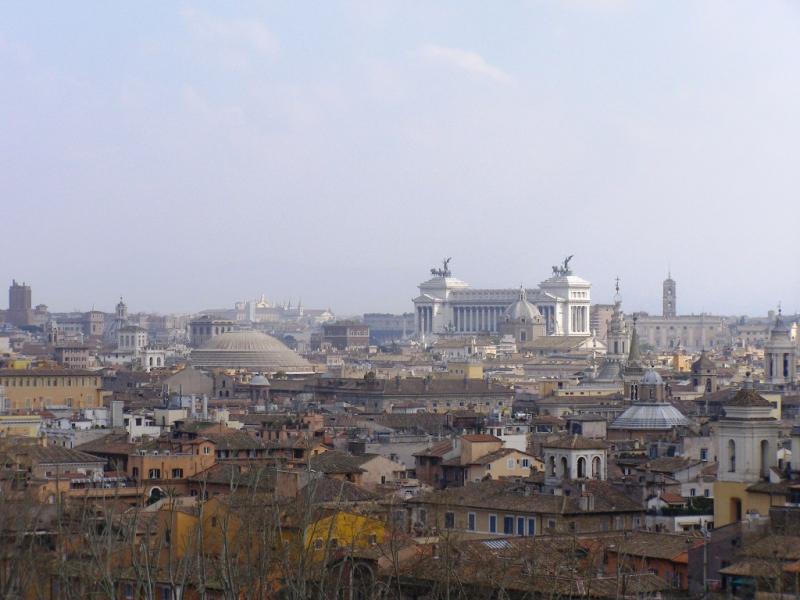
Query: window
(135, 472)
(206, 450)
(449, 520)
(177, 473)
(692, 492)
(471, 521)
(704, 454)
(706, 492)
(508, 525)
(520, 525)
(372, 539)
(154, 474)
(423, 516)
(166, 593)
(551, 524)
(510, 463)
(492, 523)
(127, 591)
(526, 463)
(531, 526)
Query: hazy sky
(186, 155)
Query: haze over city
(400, 300)
(188, 155)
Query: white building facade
(447, 305)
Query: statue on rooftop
(563, 269)
(445, 270)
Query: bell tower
(618, 335)
(780, 355)
(669, 297)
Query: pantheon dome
(250, 350)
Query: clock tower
(669, 298)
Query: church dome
(650, 416)
(259, 380)
(522, 310)
(746, 397)
(651, 377)
(251, 350)
(611, 370)
(780, 327)
(703, 364)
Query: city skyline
(290, 300)
(186, 156)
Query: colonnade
(424, 319)
(474, 319)
(579, 319)
(477, 318)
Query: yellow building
(345, 530)
(681, 363)
(38, 389)
(224, 517)
(732, 501)
(20, 363)
(20, 425)
(465, 369)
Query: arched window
(581, 467)
(564, 468)
(552, 466)
(708, 385)
(652, 393)
(597, 468)
(731, 456)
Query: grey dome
(250, 350)
(259, 379)
(522, 309)
(651, 377)
(780, 327)
(651, 416)
(611, 370)
(703, 364)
